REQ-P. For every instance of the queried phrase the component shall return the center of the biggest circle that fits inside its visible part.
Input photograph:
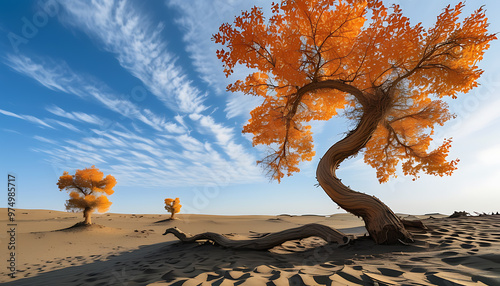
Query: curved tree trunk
(380, 221)
(86, 214)
(268, 241)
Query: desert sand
(129, 249)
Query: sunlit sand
(129, 249)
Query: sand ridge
(460, 251)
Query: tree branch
(268, 241)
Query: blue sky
(135, 88)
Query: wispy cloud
(29, 118)
(77, 116)
(478, 119)
(43, 139)
(11, 131)
(201, 19)
(239, 104)
(161, 159)
(67, 125)
(59, 77)
(49, 74)
(188, 143)
(98, 142)
(138, 46)
(174, 161)
(11, 114)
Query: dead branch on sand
(268, 241)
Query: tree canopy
(173, 206)
(88, 190)
(314, 59)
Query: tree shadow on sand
(175, 262)
(166, 220)
(82, 226)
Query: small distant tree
(173, 206)
(88, 191)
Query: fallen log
(268, 241)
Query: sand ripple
(460, 251)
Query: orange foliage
(88, 189)
(173, 206)
(314, 58)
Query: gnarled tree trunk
(380, 221)
(86, 214)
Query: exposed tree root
(413, 224)
(268, 241)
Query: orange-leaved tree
(88, 191)
(173, 206)
(314, 59)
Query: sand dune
(130, 250)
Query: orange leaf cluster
(406, 137)
(88, 189)
(309, 42)
(173, 206)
